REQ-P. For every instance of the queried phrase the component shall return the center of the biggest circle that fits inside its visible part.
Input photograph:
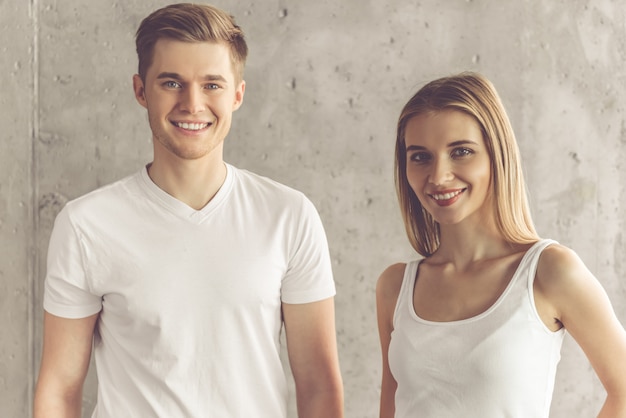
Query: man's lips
(192, 126)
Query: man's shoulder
(264, 185)
(106, 195)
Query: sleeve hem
(73, 312)
(314, 295)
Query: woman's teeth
(446, 196)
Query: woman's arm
(387, 290)
(584, 309)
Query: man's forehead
(203, 59)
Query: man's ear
(239, 91)
(140, 91)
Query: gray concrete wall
(17, 255)
(325, 83)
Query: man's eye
(171, 84)
(212, 86)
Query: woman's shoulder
(387, 293)
(390, 281)
(558, 261)
(561, 271)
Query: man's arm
(65, 360)
(312, 348)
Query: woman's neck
(467, 242)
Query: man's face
(190, 92)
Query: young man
(183, 274)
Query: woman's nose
(441, 172)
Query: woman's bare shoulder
(558, 265)
(562, 276)
(390, 281)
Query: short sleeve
(66, 291)
(309, 276)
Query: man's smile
(191, 126)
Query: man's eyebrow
(177, 77)
(217, 77)
(174, 76)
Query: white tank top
(501, 363)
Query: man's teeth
(192, 126)
(446, 196)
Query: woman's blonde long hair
(474, 95)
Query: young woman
(474, 329)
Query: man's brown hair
(188, 22)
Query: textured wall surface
(325, 83)
(16, 207)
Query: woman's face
(448, 166)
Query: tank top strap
(405, 296)
(531, 260)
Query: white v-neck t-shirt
(189, 300)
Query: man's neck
(193, 182)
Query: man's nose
(193, 101)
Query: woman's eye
(461, 152)
(420, 157)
